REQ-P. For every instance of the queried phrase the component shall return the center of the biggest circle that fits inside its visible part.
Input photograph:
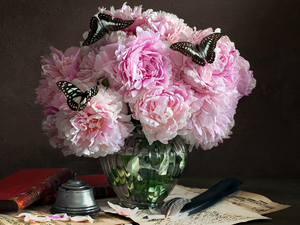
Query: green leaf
(133, 165)
(105, 83)
(163, 169)
(182, 163)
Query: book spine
(50, 184)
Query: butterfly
(103, 23)
(76, 99)
(202, 53)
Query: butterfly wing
(97, 31)
(198, 59)
(112, 24)
(87, 97)
(210, 56)
(186, 48)
(74, 103)
(101, 24)
(189, 50)
(76, 99)
(119, 24)
(207, 46)
(94, 91)
(72, 93)
(105, 17)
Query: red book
(26, 186)
(98, 182)
(94, 179)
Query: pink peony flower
(169, 26)
(141, 63)
(59, 66)
(223, 74)
(92, 59)
(164, 113)
(51, 131)
(246, 81)
(211, 120)
(99, 129)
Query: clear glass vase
(143, 175)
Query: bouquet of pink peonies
(163, 88)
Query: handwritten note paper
(254, 202)
(222, 213)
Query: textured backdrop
(264, 142)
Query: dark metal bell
(75, 198)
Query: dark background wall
(265, 139)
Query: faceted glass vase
(143, 175)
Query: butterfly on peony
(202, 53)
(103, 23)
(76, 99)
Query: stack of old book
(39, 186)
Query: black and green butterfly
(101, 24)
(76, 99)
(202, 53)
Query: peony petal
(28, 217)
(123, 211)
(82, 219)
(60, 217)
